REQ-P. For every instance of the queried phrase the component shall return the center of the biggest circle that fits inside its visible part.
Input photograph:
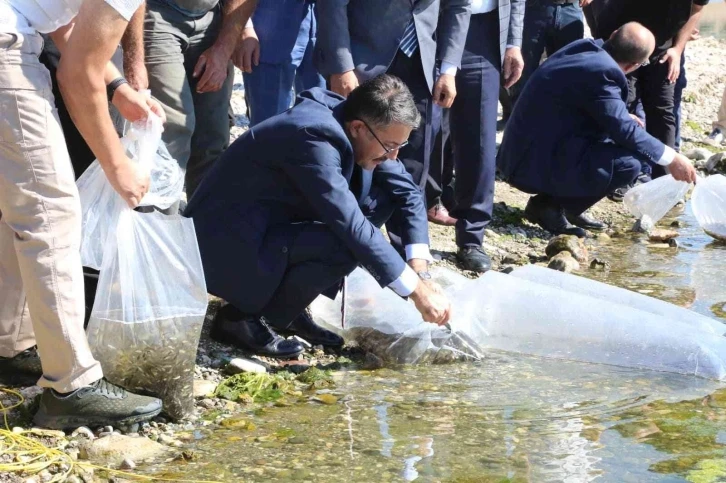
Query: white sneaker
(715, 138)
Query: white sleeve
(668, 155)
(125, 8)
(406, 283)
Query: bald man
(570, 139)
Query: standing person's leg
(268, 90)
(41, 211)
(681, 84)
(568, 27)
(307, 76)
(473, 137)
(537, 19)
(211, 134)
(719, 127)
(165, 37)
(657, 95)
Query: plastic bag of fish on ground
(151, 297)
(649, 202)
(383, 323)
(709, 205)
(100, 208)
(551, 317)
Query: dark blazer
(511, 24)
(575, 99)
(365, 34)
(294, 167)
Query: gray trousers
(197, 129)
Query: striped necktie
(409, 42)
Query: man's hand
(137, 75)
(129, 181)
(433, 306)
(134, 106)
(682, 169)
(248, 51)
(638, 120)
(585, 3)
(445, 90)
(212, 67)
(343, 83)
(673, 58)
(513, 65)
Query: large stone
(564, 262)
(115, 448)
(203, 388)
(239, 365)
(567, 243)
(698, 154)
(661, 235)
(716, 163)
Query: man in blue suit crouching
(294, 205)
(570, 139)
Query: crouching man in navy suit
(570, 139)
(294, 205)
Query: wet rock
(716, 163)
(564, 262)
(698, 154)
(83, 432)
(327, 399)
(113, 449)
(676, 224)
(567, 243)
(372, 362)
(127, 464)
(673, 243)
(513, 260)
(602, 237)
(239, 365)
(598, 264)
(203, 388)
(296, 367)
(660, 235)
(507, 270)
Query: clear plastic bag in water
(709, 205)
(649, 202)
(100, 203)
(150, 306)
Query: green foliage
(259, 388)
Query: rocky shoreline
(510, 240)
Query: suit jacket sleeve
(333, 38)
(608, 109)
(316, 172)
(392, 177)
(452, 29)
(516, 23)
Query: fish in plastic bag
(709, 205)
(649, 202)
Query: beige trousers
(40, 225)
(721, 123)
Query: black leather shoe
(550, 217)
(253, 335)
(583, 220)
(474, 259)
(305, 327)
(22, 370)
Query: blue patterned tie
(409, 42)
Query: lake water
(714, 19)
(509, 418)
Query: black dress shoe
(474, 259)
(305, 327)
(583, 220)
(253, 335)
(551, 217)
(22, 370)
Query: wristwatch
(424, 275)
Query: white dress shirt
(406, 283)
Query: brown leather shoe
(439, 215)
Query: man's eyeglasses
(643, 64)
(386, 149)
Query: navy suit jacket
(294, 167)
(574, 100)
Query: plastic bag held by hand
(101, 205)
(650, 201)
(709, 205)
(149, 308)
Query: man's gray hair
(382, 101)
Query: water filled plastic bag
(709, 205)
(649, 202)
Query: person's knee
(628, 169)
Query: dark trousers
(548, 27)
(620, 162)
(470, 147)
(649, 84)
(317, 263)
(416, 156)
